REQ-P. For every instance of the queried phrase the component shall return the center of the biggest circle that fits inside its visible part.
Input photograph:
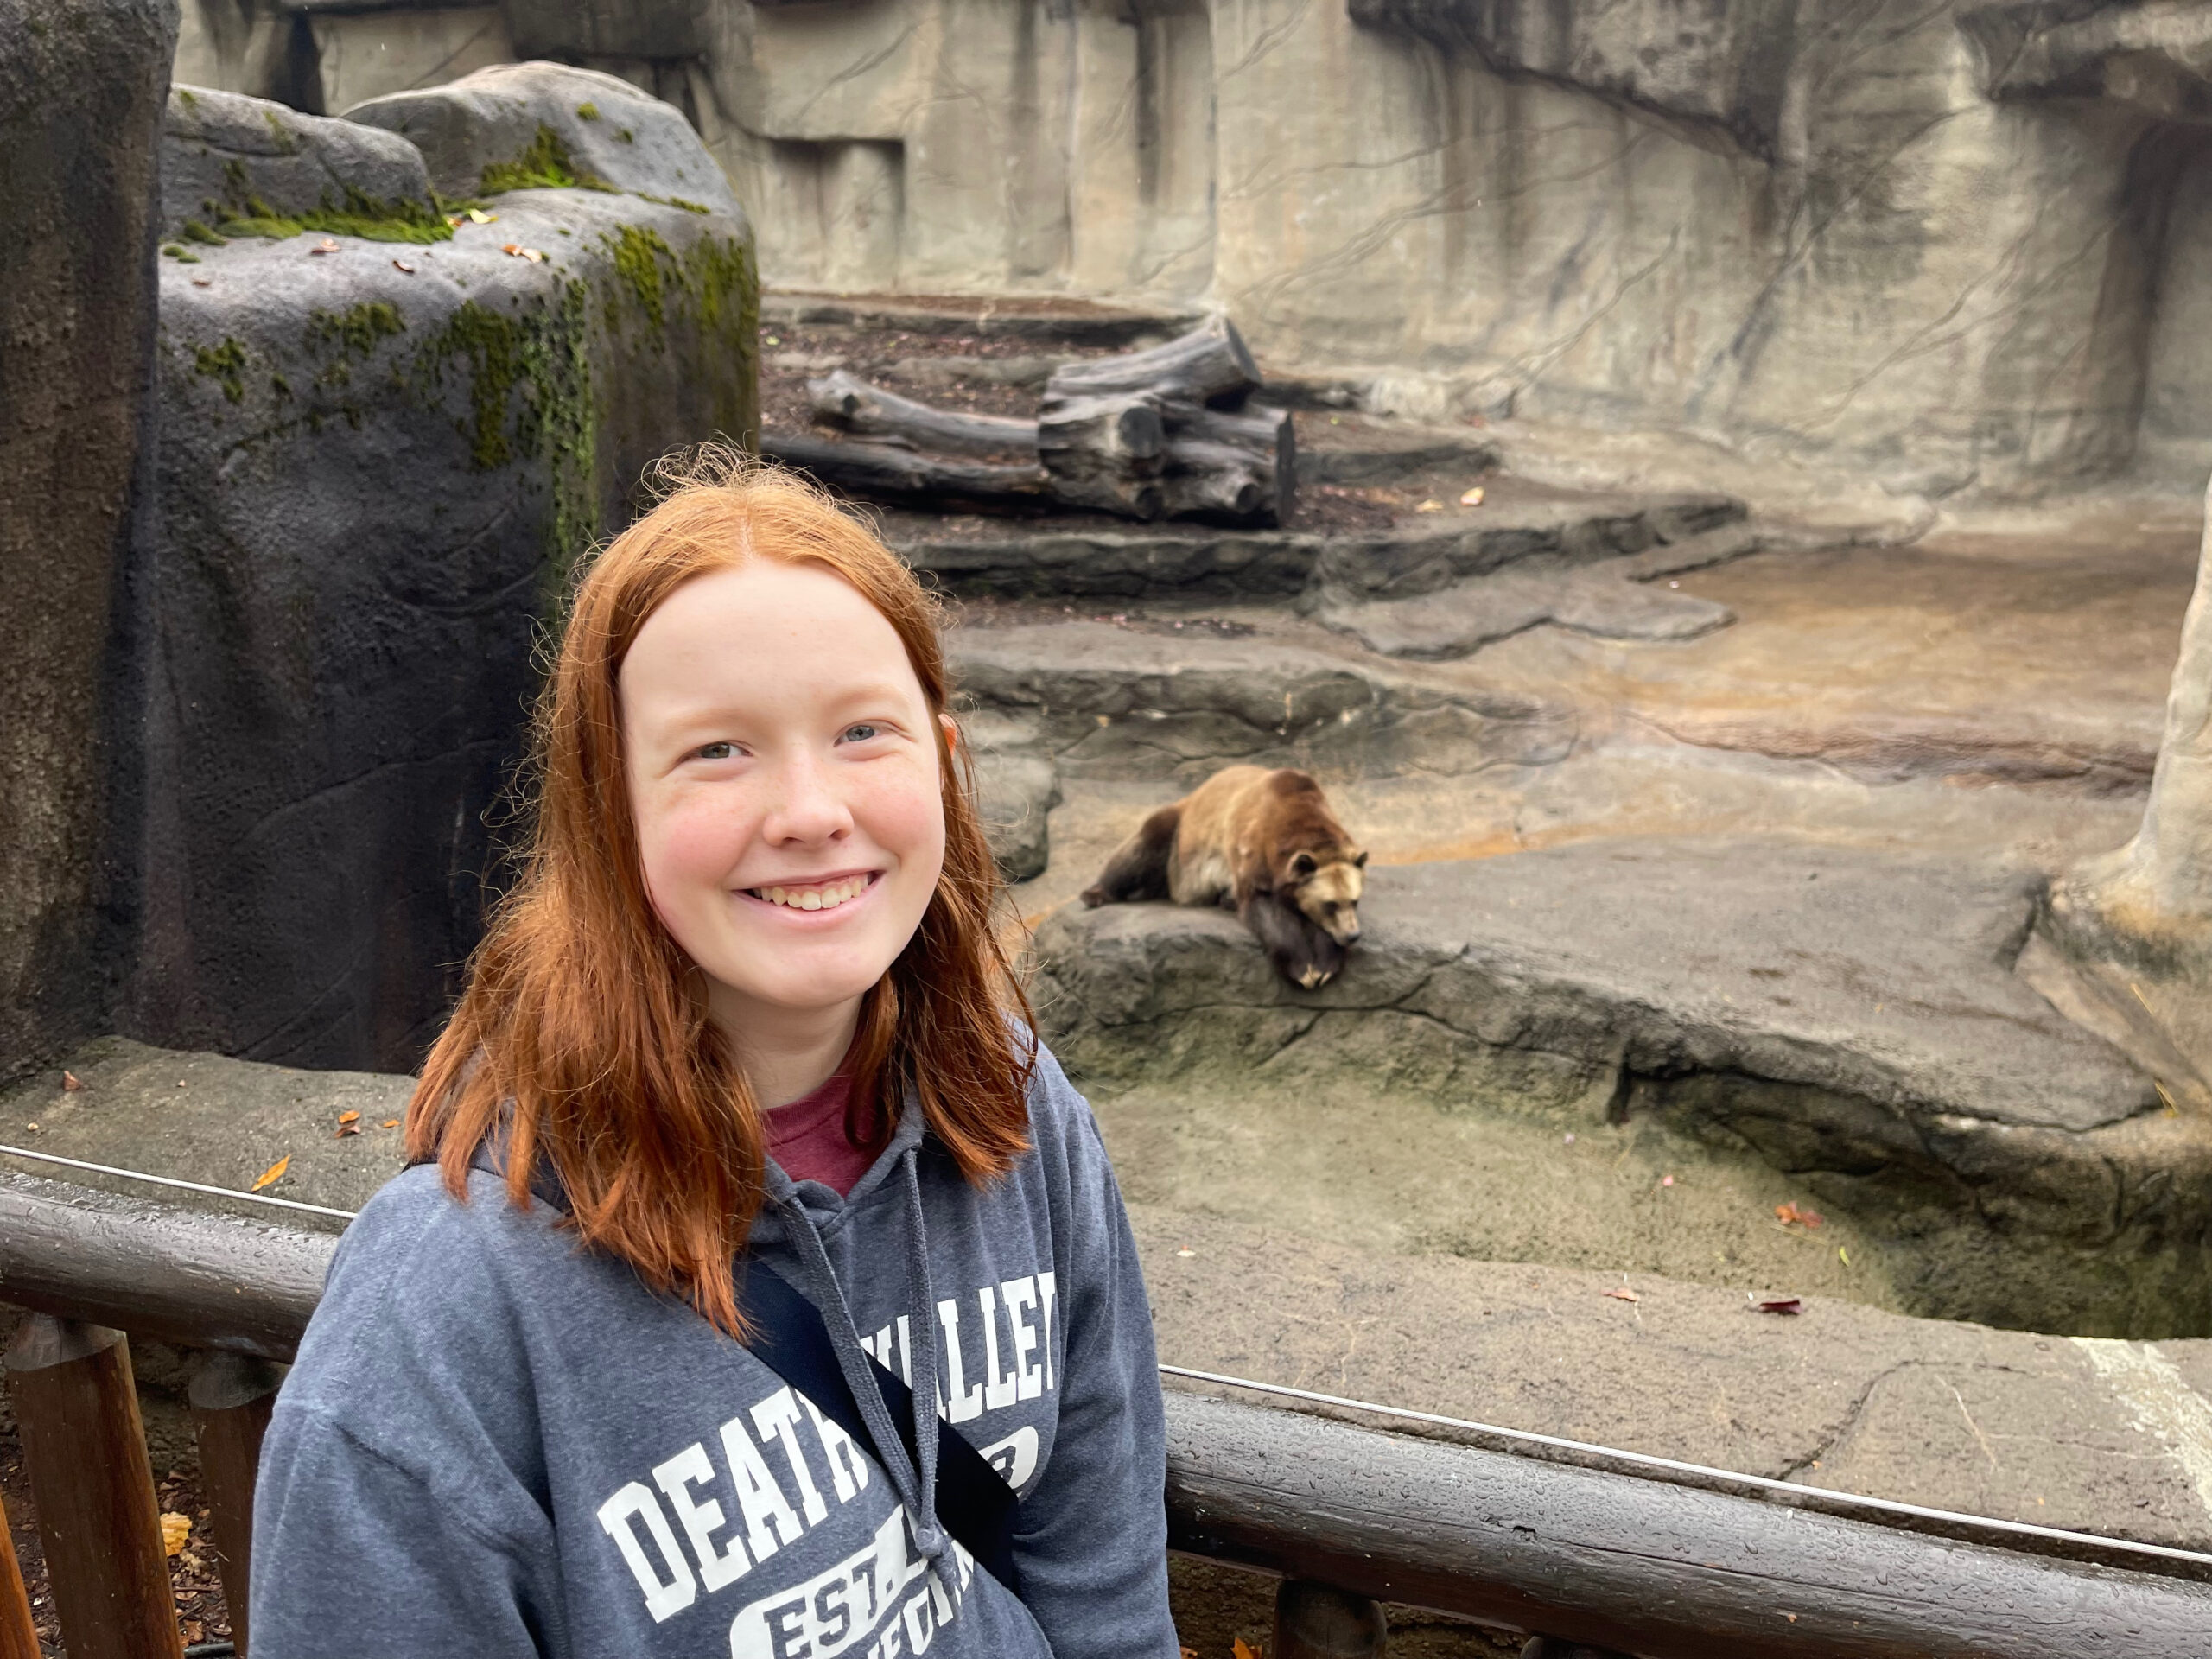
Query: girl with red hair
(759, 1284)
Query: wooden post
(1316, 1621)
(18, 1636)
(231, 1397)
(85, 1452)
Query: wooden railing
(1346, 1514)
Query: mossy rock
(379, 467)
(518, 126)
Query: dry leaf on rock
(328, 245)
(71, 1082)
(1622, 1293)
(390, 1123)
(1779, 1305)
(478, 216)
(274, 1173)
(1430, 506)
(1473, 497)
(1789, 1213)
(403, 267)
(1243, 1649)
(175, 1529)
(516, 251)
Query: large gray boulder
(377, 465)
(80, 101)
(226, 157)
(516, 123)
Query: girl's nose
(806, 808)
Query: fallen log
(1105, 452)
(897, 474)
(1209, 364)
(868, 412)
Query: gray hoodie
(496, 1444)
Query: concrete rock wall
(81, 83)
(1951, 241)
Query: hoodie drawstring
(917, 1486)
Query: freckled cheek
(688, 843)
(906, 818)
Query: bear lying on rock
(1263, 843)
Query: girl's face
(783, 770)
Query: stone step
(1108, 701)
(1106, 559)
(1850, 1016)
(1611, 599)
(1048, 320)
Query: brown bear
(1263, 843)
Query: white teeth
(827, 898)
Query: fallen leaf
(349, 1117)
(193, 1631)
(1843, 1256)
(1240, 1649)
(1780, 1305)
(1666, 1180)
(345, 1129)
(328, 245)
(390, 1123)
(516, 251)
(1430, 506)
(175, 1529)
(1473, 497)
(403, 267)
(1789, 1215)
(274, 1173)
(1186, 1254)
(478, 216)
(1622, 1293)
(203, 282)
(71, 1082)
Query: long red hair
(583, 1034)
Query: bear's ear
(1302, 865)
(1359, 859)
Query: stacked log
(1168, 433)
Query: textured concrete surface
(81, 83)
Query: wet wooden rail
(1347, 1515)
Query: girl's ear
(951, 731)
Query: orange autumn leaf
(1243, 1649)
(274, 1173)
(390, 1123)
(176, 1530)
(1622, 1293)
(71, 1082)
(349, 1117)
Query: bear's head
(1325, 883)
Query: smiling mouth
(820, 895)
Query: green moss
(181, 254)
(546, 165)
(225, 365)
(351, 336)
(625, 135)
(286, 142)
(676, 201)
(187, 97)
(280, 386)
(359, 215)
(587, 112)
(647, 267)
(530, 397)
(195, 231)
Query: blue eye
(715, 751)
(862, 733)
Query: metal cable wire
(1518, 1436)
